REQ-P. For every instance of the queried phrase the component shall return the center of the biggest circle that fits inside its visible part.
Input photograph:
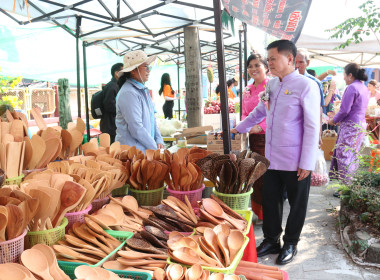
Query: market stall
(67, 214)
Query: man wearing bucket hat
(135, 121)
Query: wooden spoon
(217, 276)
(66, 139)
(130, 262)
(54, 269)
(3, 222)
(195, 272)
(213, 208)
(71, 194)
(36, 262)
(82, 233)
(138, 255)
(71, 254)
(97, 253)
(176, 272)
(185, 256)
(159, 274)
(211, 240)
(190, 243)
(84, 271)
(17, 266)
(223, 245)
(80, 243)
(98, 229)
(235, 241)
(9, 271)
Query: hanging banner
(283, 19)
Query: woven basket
(148, 198)
(11, 250)
(48, 237)
(235, 201)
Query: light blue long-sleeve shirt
(134, 122)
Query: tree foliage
(359, 27)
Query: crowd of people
(283, 116)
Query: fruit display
(213, 107)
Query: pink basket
(99, 203)
(11, 250)
(73, 217)
(193, 196)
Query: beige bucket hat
(134, 59)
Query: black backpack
(97, 104)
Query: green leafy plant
(359, 27)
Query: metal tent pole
(79, 20)
(222, 77)
(245, 55)
(86, 91)
(179, 87)
(240, 75)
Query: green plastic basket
(227, 270)
(247, 215)
(15, 180)
(235, 201)
(48, 237)
(148, 198)
(69, 267)
(132, 274)
(120, 191)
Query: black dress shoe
(287, 254)
(267, 247)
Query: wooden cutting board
(38, 118)
(39, 147)
(17, 130)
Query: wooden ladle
(36, 262)
(54, 269)
(176, 272)
(213, 208)
(211, 240)
(71, 194)
(235, 240)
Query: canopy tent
(121, 26)
(316, 39)
(110, 22)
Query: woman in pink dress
(257, 69)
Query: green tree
(359, 27)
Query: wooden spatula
(13, 159)
(39, 147)
(28, 151)
(104, 140)
(38, 118)
(71, 195)
(17, 130)
(81, 126)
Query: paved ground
(320, 253)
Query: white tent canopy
(326, 14)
